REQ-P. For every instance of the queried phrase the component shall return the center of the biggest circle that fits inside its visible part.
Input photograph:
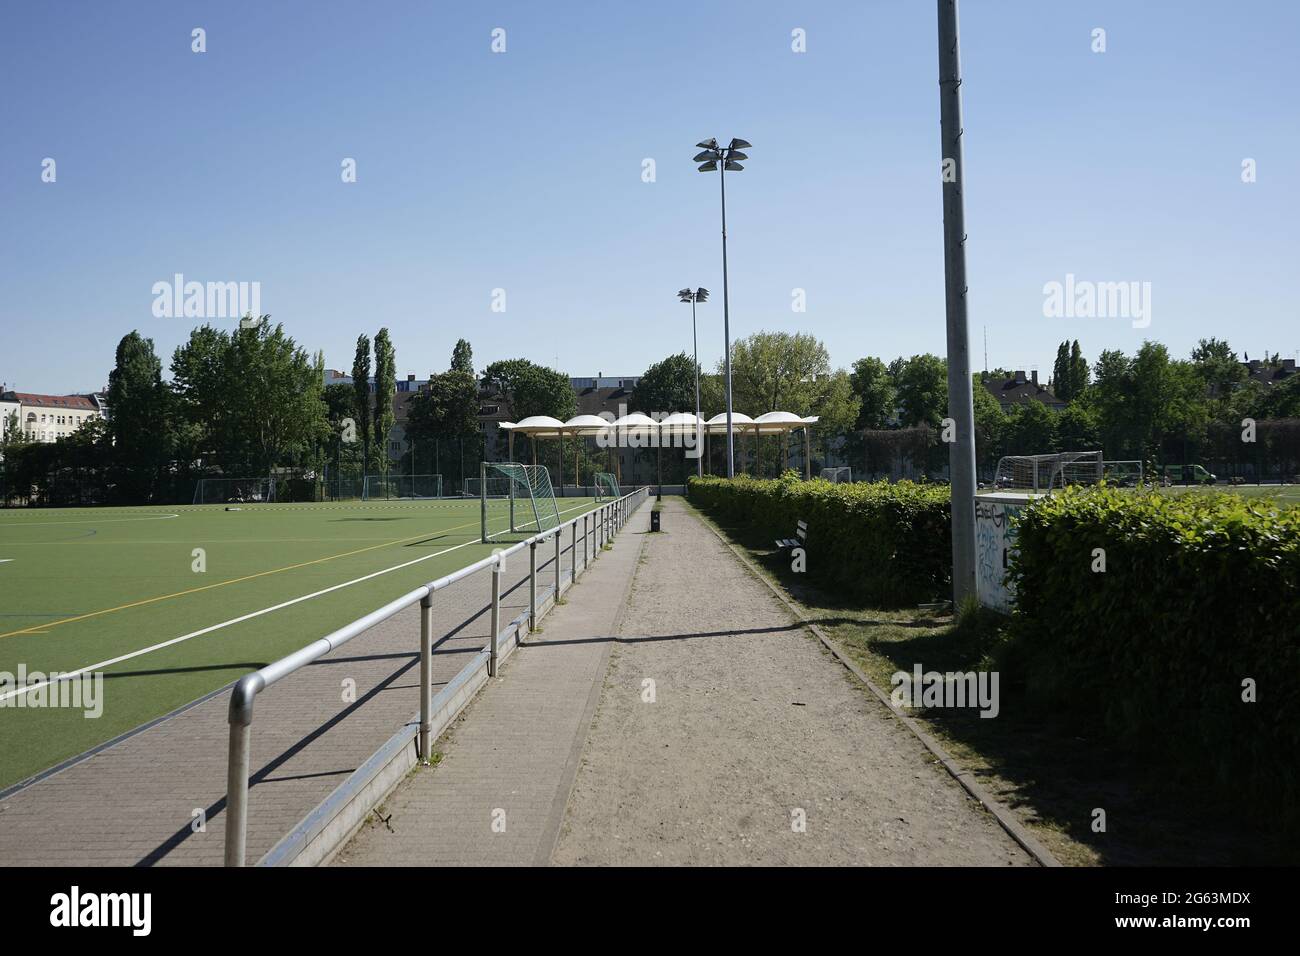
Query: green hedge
(1198, 594)
(887, 544)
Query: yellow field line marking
(71, 675)
(42, 628)
(86, 542)
(219, 584)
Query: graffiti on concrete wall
(995, 539)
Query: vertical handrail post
(559, 550)
(241, 732)
(585, 560)
(573, 552)
(426, 675)
(237, 793)
(532, 586)
(496, 617)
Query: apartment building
(47, 418)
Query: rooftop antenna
(986, 350)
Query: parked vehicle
(1188, 475)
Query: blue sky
(523, 171)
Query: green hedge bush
(1198, 594)
(886, 544)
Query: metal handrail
(607, 520)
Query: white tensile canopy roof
(635, 423)
(717, 425)
(770, 423)
(775, 423)
(678, 423)
(543, 426)
(586, 425)
(681, 423)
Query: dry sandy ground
(753, 725)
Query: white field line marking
(69, 675)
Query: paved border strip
(1005, 817)
(75, 759)
(328, 827)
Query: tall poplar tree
(385, 389)
(361, 396)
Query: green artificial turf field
(80, 587)
(1285, 494)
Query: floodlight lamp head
(708, 144)
(733, 166)
(737, 154)
(740, 144)
(701, 294)
(706, 155)
(683, 293)
(708, 167)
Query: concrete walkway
(137, 801)
(498, 794)
(688, 720)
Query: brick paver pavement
(133, 803)
(498, 794)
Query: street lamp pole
(699, 295)
(961, 453)
(726, 324)
(722, 159)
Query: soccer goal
(220, 491)
(1042, 473)
(403, 486)
(606, 486)
(516, 500)
(839, 474)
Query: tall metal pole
(726, 318)
(961, 453)
(695, 338)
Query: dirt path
(753, 727)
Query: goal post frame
(523, 485)
(382, 487)
(264, 486)
(605, 484)
(1045, 473)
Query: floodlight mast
(961, 452)
(699, 295)
(723, 159)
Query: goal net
(606, 486)
(220, 491)
(1041, 473)
(839, 474)
(516, 499)
(404, 486)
